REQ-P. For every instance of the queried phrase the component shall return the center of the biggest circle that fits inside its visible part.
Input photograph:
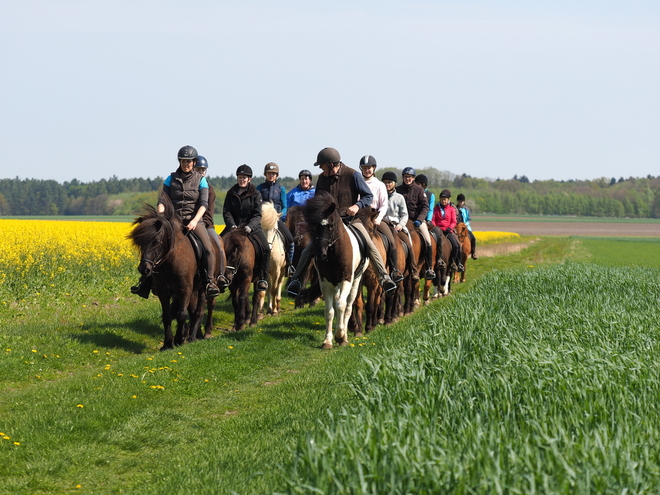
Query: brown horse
(242, 271)
(295, 220)
(419, 246)
(167, 255)
(443, 271)
(466, 249)
(338, 261)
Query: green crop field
(539, 375)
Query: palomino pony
(269, 218)
(167, 255)
(466, 249)
(338, 262)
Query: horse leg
(181, 316)
(327, 289)
(197, 308)
(208, 326)
(168, 339)
(258, 298)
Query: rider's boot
(143, 287)
(289, 260)
(429, 274)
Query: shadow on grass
(110, 340)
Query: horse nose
(145, 268)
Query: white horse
(269, 218)
(338, 261)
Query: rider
(275, 193)
(418, 208)
(201, 167)
(444, 217)
(189, 192)
(464, 216)
(242, 209)
(368, 167)
(397, 218)
(430, 196)
(351, 192)
(299, 195)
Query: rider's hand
(192, 224)
(398, 228)
(247, 229)
(352, 210)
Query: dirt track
(571, 228)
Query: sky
(559, 89)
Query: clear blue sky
(548, 89)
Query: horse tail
(269, 216)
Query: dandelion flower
(17, 443)
(80, 406)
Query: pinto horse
(338, 262)
(466, 249)
(167, 255)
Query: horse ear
(331, 208)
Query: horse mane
(367, 216)
(319, 207)
(233, 241)
(156, 227)
(269, 216)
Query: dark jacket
(243, 209)
(208, 214)
(347, 187)
(416, 201)
(275, 193)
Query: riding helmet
(187, 153)
(421, 179)
(408, 171)
(368, 161)
(244, 170)
(327, 155)
(460, 197)
(446, 193)
(389, 176)
(305, 173)
(272, 167)
(201, 162)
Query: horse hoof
(326, 346)
(342, 343)
(357, 335)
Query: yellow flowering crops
(39, 254)
(488, 237)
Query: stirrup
(222, 281)
(453, 267)
(212, 290)
(388, 284)
(261, 285)
(290, 271)
(294, 287)
(396, 275)
(429, 274)
(461, 268)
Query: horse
(373, 309)
(419, 247)
(269, 218)
(295, 220)
(241, 272)
(466, 249)
(443, 271)
(167, 255)
(338, 261)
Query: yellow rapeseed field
(42, 252)
(488, 237)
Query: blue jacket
(298, 197)
(276, 194)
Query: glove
(446, 232)
(247, 229)
(417, 223)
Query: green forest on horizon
(602, 197)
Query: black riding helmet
(244, 170)
(460, 197)
(421, 179)
(187, 153)
(201, 162)
(305, 173)
(389, 176)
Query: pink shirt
(445, 218)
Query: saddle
(200, 252)
(362, 243)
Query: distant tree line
(603, 197)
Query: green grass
(561, 219)
(227, 419)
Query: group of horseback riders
(194, 200)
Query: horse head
(324, 222)
(153, 234)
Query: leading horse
(338, 261)
(167, 255)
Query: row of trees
(603, 197)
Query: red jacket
(448, 220)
